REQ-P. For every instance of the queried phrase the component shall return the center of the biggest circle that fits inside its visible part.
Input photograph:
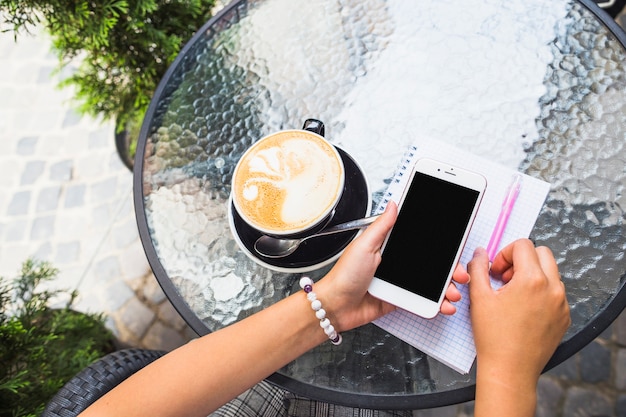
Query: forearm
(204, 374)
(504, 394)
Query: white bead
(324, 323)
(332, 336)
(316, 305)
(320, 314)
(329, 330)
(339, 339)
(311, 296)
(305, 281)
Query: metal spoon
(272, 247)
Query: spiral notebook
(449, 339)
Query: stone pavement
(65, 197)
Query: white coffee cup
(289, 182)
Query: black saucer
(315, 253)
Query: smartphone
(420, 253)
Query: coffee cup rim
(320, 218)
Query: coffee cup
(288, 183)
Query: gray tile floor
(66, 197)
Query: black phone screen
(424, 241)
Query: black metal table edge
(389, 401)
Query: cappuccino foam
(287, 182)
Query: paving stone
(75, 195)
(620, 369)
(619, 329)
(125, 233)
(549, 397)
(71, 118)
(162, 338)
(620, 406)
(67, 252)
(16, 230)
(116, 295)
(43, 252)
(101, 217)
(152, 291)
(606, 334)
(61, 171)
(32, 171)
(48, 199)
(27, 145)
(567, 369)
(89, 166)
(10, 169)
(43, 227)
(100, 138)
(136, 317)
(110, 324)
(19, 203)
(133, 262)
(584, 402)
(595, 363)
(73, 224)
(116, 164)
(107, 269)
(104, 190)
(45, 74)
(168, 315)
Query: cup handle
(315, 126)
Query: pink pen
(505, 214)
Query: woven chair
(97, 379)
(264, 399)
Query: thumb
(374, 236)
(478, 269)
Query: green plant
(125, 46)
(41, 347)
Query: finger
(452, 293)
(548, 264)
(519, 252)
(374, 236)
(460, 275)
(447, 308)
(478, 269)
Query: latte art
(288, 182)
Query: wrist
(515, 384)
(320, 313)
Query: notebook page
(449, 339)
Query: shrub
(125, 45)
(41, 347)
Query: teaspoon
(272, 247)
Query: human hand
(344, 289)
(518, 326)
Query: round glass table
(539, 86)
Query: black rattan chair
(263, 399)
(97, 379)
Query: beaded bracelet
(306, 284)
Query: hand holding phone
(437, 210)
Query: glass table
(539, 86)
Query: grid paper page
(449, 339)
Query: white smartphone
(436, 212)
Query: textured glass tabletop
(537, 85)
